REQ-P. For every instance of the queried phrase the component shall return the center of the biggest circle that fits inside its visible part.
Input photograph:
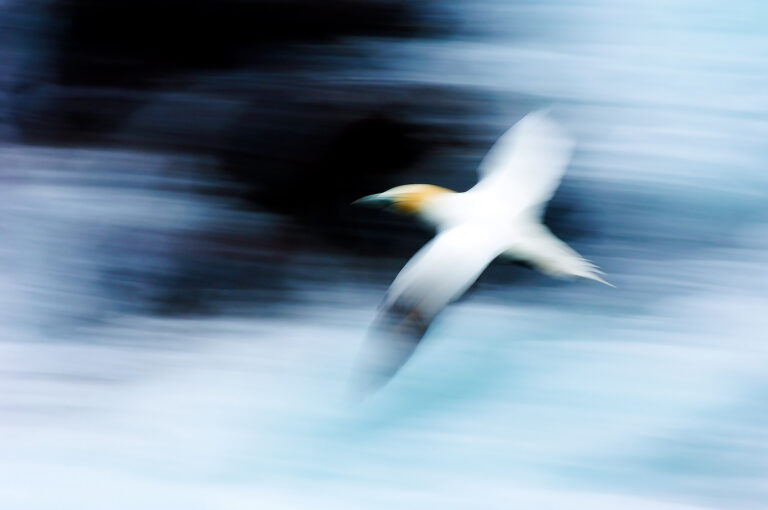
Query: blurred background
(184, 286)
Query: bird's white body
(500, 215)
(453, 209)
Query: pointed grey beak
(375, 200)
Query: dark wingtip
(392, 339)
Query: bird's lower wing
(539, 247)
(439, 273)
(392, 339)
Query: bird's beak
(376, 200)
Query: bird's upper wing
(524, 167)
(439, 273)
(537, 245)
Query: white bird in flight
(500, 216)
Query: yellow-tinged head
(408, 199)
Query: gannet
(500, 216)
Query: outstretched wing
(524, 167)
(538, 246)
(439, 273)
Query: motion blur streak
(184, 286)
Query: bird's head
(408, 199)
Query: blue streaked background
(184, 288)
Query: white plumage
(500, 215)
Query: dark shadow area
(287, 98)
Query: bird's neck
(444, 209)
